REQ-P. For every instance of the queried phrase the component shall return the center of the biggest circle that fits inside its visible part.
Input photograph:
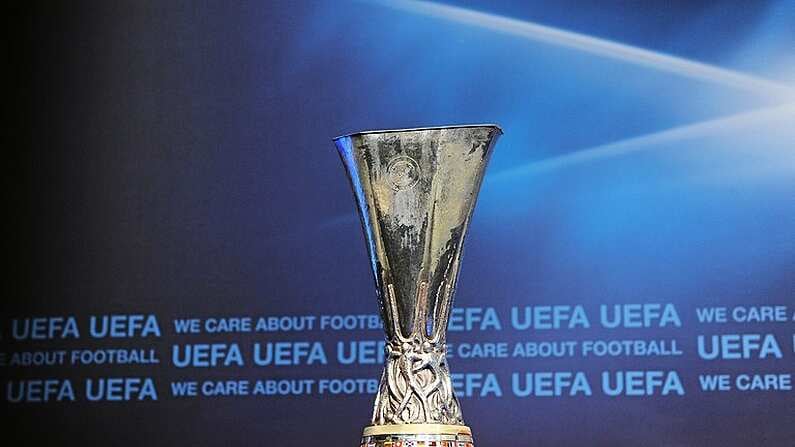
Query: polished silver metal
(415, 190)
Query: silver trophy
(415, 190)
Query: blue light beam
(597, 46)
(652, 140)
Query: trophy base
(419, 435)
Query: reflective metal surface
(415, 190)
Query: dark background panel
(178, 161)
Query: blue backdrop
(183, 168)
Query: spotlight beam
(645, 142)
(597, 46)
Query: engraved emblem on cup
(403, 172)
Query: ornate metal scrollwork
(416, 386)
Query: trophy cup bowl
(415, 190)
